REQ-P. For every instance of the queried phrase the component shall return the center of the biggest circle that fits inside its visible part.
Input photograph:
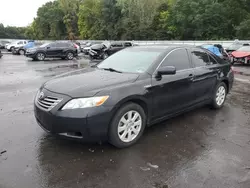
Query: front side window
(178, 58)
(200, 58)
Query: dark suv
(64, 50)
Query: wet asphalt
(202, 148)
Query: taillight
(75, 46)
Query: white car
(16, 44)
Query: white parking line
(242, 80)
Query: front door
(172, 93)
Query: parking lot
(202, 148)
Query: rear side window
(178, 58)
(200, 58)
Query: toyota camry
(135, 88)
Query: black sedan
(133, 89)
(64, 50)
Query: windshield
(134, 60)
(44, 45)
(244, 49)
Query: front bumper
(90, 124)
(30, 54)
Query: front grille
(48, 102)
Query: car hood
(87, 82)
(239, 54)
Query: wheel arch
(141, 101)
(225, 81)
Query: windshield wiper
(112, 70)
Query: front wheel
(21, 52)
(127, 125)
(40, 56)
(219, 97)
(105, 56)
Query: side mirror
(48, 47)
(168, 70)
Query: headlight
(85, 102)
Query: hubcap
(40, 57)
(220, 95)
(129, 126)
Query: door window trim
(180, 48)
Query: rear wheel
(127, 125)
(40, 56)
(12, 49)
(70, 55)
(219, 97)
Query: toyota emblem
(41, 96)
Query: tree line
(138, 20)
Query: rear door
(205, 74)
(173, 93)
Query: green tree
(89, 22)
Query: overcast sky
(19, 12)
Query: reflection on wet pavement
(202, 148)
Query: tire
(121, 139)
(21, 52)
(105, 56)
(220, 95)
(40, 56)
(70, 56)
(12, 49)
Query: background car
(3, 44)
(242, 55)
(22, 50)
(218, 50)
(106, 49)
(13, 45)
(64, 50)
(86, 48)
(132, 89)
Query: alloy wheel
(40, 56)
(220, 95)
(129, 126)
(70, 56)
